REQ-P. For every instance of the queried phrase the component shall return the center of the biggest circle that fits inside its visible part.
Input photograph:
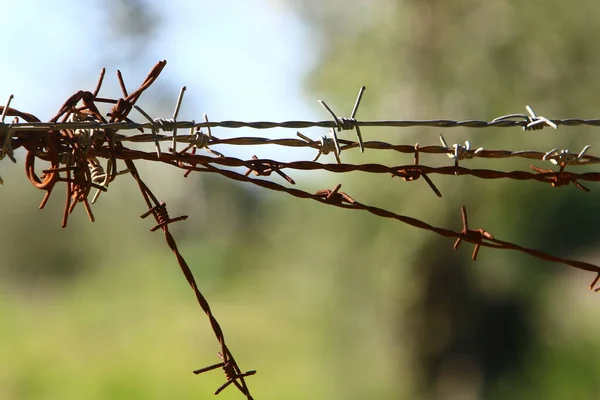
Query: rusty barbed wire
(73, 151)
(306, 142)
(478, 237)
(201, 140)
(555, 178)
(76, 140)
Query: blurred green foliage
(329, 303)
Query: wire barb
(162, 216)
(325, 145)
(537, 122)
(460, 152)
(531, 121)
(175, 114)
(335, 196)
(265, 168)
(412, 174)
(564, 157)
(353, 115)
(473, 236)
(231, 373)
(346, 123)
(332, 131)
(155, 128)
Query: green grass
(134, 330)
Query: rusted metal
(263, 168)
(232, 373)
(475, 236)
(334, 196)
(410, 175)
(560, 178)
(485, 240)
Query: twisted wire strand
(231, 124)
(159, 211)
(347, 145)
(226, 161)
(486, 242)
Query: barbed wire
(478, 237)
(556, 178)
(500, 122)
(306, 142)
(79, 136)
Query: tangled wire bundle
(78, 137)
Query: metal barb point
(174, 118)
(564, 157)
(154, 129)
(232, 373)
(347, 123)
(330, 144)
(203, 140)
(325, 145)
(265, 169)
(333, 130)
(536, 122)
(10, 98)
(459, 152)
(412, 174)
(6, 149)
(475, 236)
(353, 115)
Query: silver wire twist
(565, 157)
(534, 122)
(460, 152)
(325, 146)
(346, 123)
(155, 128)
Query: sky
(240, 59)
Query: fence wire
(79, 136)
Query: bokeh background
(324, 303)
